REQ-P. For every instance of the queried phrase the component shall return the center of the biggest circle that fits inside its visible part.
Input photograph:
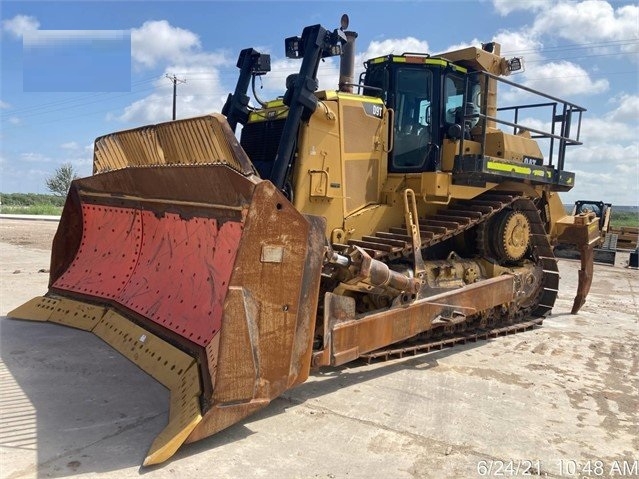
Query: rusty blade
(179, 268)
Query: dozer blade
(202, 274)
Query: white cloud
(274, 82)
(588, 21)
(151, 109)
(605, 154)
(559, 79)
(4, 105)
(629, 169)
(530, 122)
(605, 130)
(594, 23)
(591, 22)
(204, 91)
(606, 137)
(20, 25)
(609, 184)
(563, 79)
(607, 164)
(627, 111)
(157, 41)
(395, 46)
(519, 44)
(14, 120)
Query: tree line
(30, 199)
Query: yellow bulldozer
(396, 213)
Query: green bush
(624, 218)
(31, 204)
(41, 209)
(30, 199)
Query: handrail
(567, 114)
(531, 90)
(543, 134)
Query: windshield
(412, 118)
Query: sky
(73, 71)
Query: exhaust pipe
(347, 63)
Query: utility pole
(175, 80)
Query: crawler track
(459, 217)
(414, 347)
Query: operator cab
(426, 95)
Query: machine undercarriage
(498, 233)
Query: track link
(413, 348)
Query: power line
(66, 101)
(577, 76)
(546, 60)
(578, 46)
(34, 113)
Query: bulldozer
(391, 214)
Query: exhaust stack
(347, 63)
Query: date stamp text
(581, 469)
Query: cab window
(412, 118)
(454, 96)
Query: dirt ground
(561, 400)
(30, 234)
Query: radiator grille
(261, 140)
